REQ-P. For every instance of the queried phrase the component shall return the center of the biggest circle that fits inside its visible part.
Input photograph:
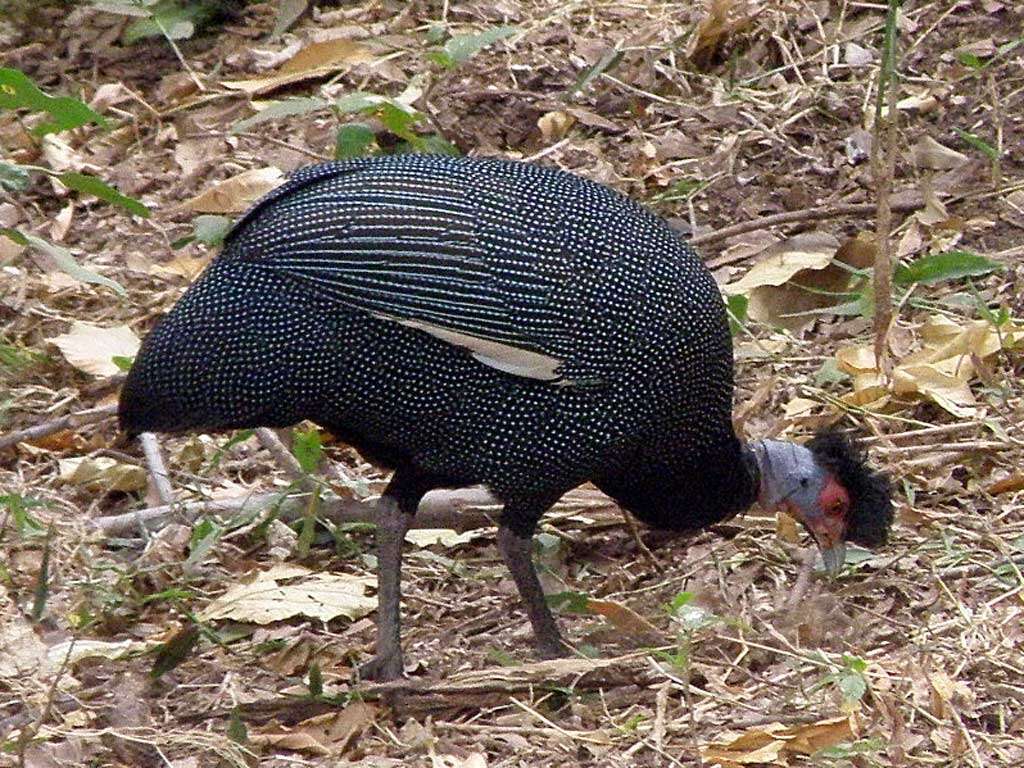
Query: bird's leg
(517, 553)
(392, 525)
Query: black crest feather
(871, 510)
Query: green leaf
(284, 108)
(316, 681)
(462, 47)
(683, 598)
(354, 140)
(205, 536)
(949, 265)
(569, 602)
(13, 177)
(736, 308)
(436, 33)
(432, 144)
(852, 686)
(211, 229)
(81, 182)
(63, 259)
(122, 362)
(398, 120)
(168, 18)
(27, 526)
(357, 102)
(237, 731)
(17, 91)
(970, 60)
(978, 143)
(607, 62)
(307, 448)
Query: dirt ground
(713, 114)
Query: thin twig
(268, 439)
(157, 467)
(816, 213)
(70, 421)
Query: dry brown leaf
(1011, 484)
(446, 537)
(61, 222)
(776, 744)
(91, 348)
(623, 617)
(786, 528)
(329, 734)
(785, 286)
(593, 120)
(929, 154)
(285, 591)
(102, 473)
(315, 60)
(941, 370)
(182, 266)
(236, 194)
(555, 125)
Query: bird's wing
(464, 259)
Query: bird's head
(828, 486)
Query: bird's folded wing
(427, 251)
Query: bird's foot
(382, 668)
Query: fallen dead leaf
(1014, 482)
(623, 617)
(315, 60)
(446, 537)
(555, 125)
(776, 744)
(795, 279)
(182, 266)
(942, 370)
(102, 473)
(285, 591)
(929, 154)
(329, 735)
(236, 194)
(91, 348)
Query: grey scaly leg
(392, 525)
(517, 553)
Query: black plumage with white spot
(465, 321)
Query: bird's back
(486, 321)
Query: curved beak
(828, 535)
(834, 557)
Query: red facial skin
(829, 528)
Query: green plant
(54, 114)
(849, 680)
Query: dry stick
(803, 580)
(268, 439)
(883, 169)
(70, 421)
(157, 467)
(817, 213)
(459, 509)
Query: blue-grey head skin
(827, 486)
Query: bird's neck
(689, 491)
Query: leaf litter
(711, 113)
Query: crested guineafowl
(468, 321)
